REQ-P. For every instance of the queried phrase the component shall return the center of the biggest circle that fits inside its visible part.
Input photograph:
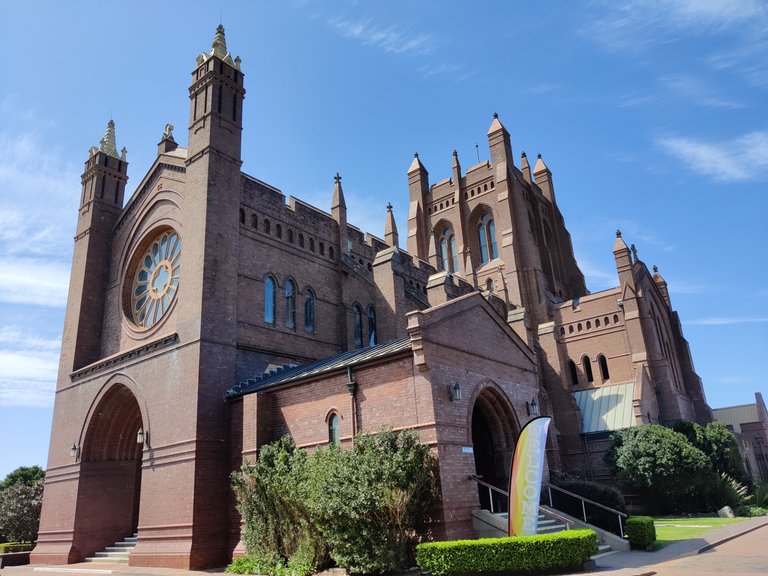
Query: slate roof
(606, 408)
(291, 373)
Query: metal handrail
(618, 513)
(491, 488)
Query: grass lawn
(670, 529)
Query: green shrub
(20, 506)
(641, 532)
(605, 495)
(16, 547)
(750, 511)
(567, 550)
(760, 494)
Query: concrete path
(737, 550)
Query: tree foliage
(719, 445)
(27, 475)
(661, 462)
(362, 506)
(20, 511)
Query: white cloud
(597, 278)
(391, 39)
(694, 90)
(727, 321)
(33, 281)
(736, 160)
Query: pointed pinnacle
(219, 43)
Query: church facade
(208, 315)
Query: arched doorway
(110, 472)
(494, 430)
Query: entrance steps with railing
(494, 525)
(116, 554)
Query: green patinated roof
(606, 408)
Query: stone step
(106, 560)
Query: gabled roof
(606, 408)
(339, 362)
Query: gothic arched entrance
(494, 429)
(110, 472)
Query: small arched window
(448, 256)
(615, 318)
(322, 249)
(279, 231)
(486, 233)
(606, 321)
(290, 303)
(489, 286)
(267, 226)
(290, 235)
(309, 310)
(603, 363)
(311, 244)
(597, 322)
(269, 300)
(242, 216)
(333, 429)
(330, 252)
(372, 335)
(358, 327)
(301, 240)
(573, 375)
(254, 221)
(587, 365)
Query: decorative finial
(523, 155)
(107, 143)
(538, 155)
(655, 269)
(168, 132)
(634, 251)
(455, 153)
(618, 233)
(389, 206)
(415, 154)
(496, 115)
(337, 178)
(123, 153)
(237, 62)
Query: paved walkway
(737, 549)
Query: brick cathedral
(208, 315)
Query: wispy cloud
(695, 91)
(727, 320)
(33, 281)
(597, 278)
(28, 367)
(392, 39)
(739, 159)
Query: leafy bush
(363, 506)
(760, 494)
(719, 445)
(661, 462)
(750, 511)
(16, 547)
(20, 511)
(605, 495)
(728, 492)
(641, 532)
(27, 475)
(567, 550)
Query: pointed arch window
(358, 327)
(587, 365)
(290, 303)
(372, 335)
(603, 364)
(309, 310)
(333, 429)
(242, 216)
(573, 375)
(269, 300)
(448, 256)
(486, 233)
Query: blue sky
(651, 115)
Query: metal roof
(606, 408)
(290, 373)
(736, 415)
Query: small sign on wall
(467, 450)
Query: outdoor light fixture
(532, 408)
(140, 436)
(454, 392)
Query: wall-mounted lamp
(74, 451)
(532, 408)
(140, 436)
(454, 392)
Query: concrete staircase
(490, 525)
(115, 554)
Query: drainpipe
(352, 389)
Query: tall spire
(219, 43)
(338, 194)
(390, 228)
(107, 143)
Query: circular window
(156, 280)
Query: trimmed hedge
(563, 551)
(641, 532)
(750, 511)
(16, 547)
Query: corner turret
(543, 178)
(499, 143)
